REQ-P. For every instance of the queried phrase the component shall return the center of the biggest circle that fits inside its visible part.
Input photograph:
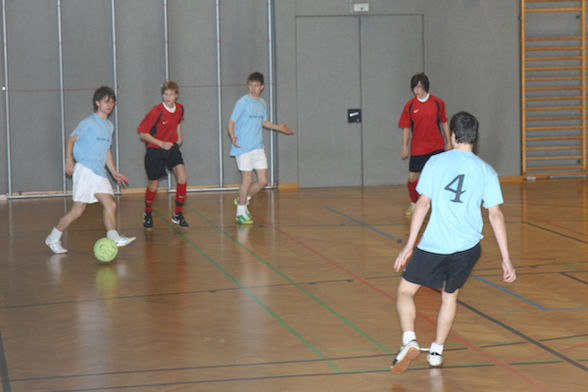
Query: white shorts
(86, 184)
(251, 160)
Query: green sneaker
(244, 220)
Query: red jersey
(424, 119)
(162, 124)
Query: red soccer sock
(149, 197)
(412, 192)
(180, 197)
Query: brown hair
(170, 85)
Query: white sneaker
(406, 354)
(55, 246)
(435, 360)
(124, 241)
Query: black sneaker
(147, 220)
(179, 220)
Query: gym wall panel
(193, 64)
(3, 142)
(244, 50)
(472, 58)
(33, 68)
(140, 71)
(87, 59)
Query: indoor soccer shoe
(179, 220)
(244, 220)
(406, 354)
(435, 360)
(147, 220)
(124, 241)
(55, 246)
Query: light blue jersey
(457, 183)
(248, 116)
(93, 139)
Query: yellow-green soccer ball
(105, 250)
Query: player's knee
(262, 181)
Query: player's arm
(445, 127)
(180, 140)
(405, 139)
(499, 227)
(275, 127)
(418, 217)
(69, 161)
(120, 178)
(147, 137)
(231, 128)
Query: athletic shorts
(251, 160)
(433, 269)
(86, 184)
(157, 160)
(417, 162)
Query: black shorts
(417, 162)
(433, 269)
(158, 159)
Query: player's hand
(167, 146)
(402, 258)
(404, 154)
(509, 273)
(69, 167)
(121, 179)
(234, 142)
(284, 129)
(180, 141)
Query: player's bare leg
(259, 184)
(74, 213)
(406, 308)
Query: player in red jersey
(161, 130)
(422, 121)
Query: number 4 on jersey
(458, 190)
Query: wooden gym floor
(302, 301)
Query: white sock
(112, 234)
(407, 337)
(436, 348)
(55, 235)
(242, 210)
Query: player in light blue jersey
(454, 185)
(248, 119)
(89, 146)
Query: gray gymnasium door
(353, 62)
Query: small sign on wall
(353, 115)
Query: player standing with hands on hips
(245, 129)
(89, 144)
(453, 185)
(421, 122)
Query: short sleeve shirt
(162, 124)
(249, 114)
(458, 183)
(425, 119)
(93, 140)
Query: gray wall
(471, 53)
(471, 56)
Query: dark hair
(465, 127)
(255, 77)
(422, 78)
(170, 85)
(100, 93)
